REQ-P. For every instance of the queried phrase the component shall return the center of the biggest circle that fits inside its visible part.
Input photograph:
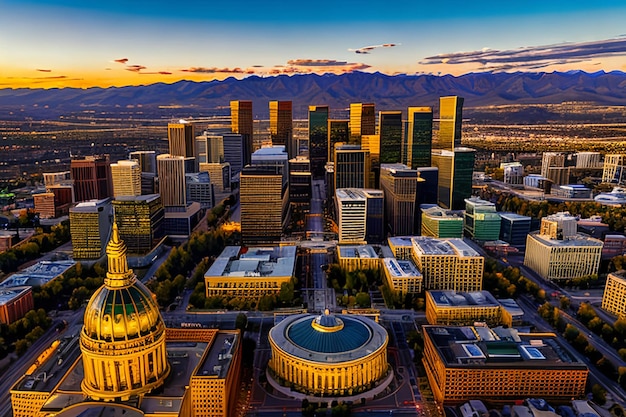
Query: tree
(565, 302)
(599, 394)
(363, 299)
(241, 322)
(286, 293)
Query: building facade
(402, 277)
(450, 122)
(140, 221)
(362, 121)
(90, 228)
(318, 139)
(92, 177)
(181, 139)
(250, 273)
(281, 126)
(448, 264)
(329, 356)
(463, 308)
(418, 138)
(241, 119)
(441, 223)
(399, 183)
(172, 185)
(455, 176)
(614, 297)
(481, 220)
(15, 303)
(126, 177)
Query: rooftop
(463, 299)
(452, 246)
(572, 241)
(219, 357)
(468, 346)
(513, 216)
(362, 251)
(90, 206)
(138, 198)
(434, 210)
(6, 295)
(406, 241)
(400, 268)
(38, 274)
(254, 262)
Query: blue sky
(76, 43)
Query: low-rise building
(250, 272)
(402, 276)
(614, 297)
(463, 308)
(352, 258)
(481, 221)
(497, 365)
(514, 228)
(448, 264)
(15, 303)
(39, 274)
(441, 223)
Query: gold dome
(123, 333)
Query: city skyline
(67, 43)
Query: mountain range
(337, 91)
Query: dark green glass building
(318, 140)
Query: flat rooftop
(361, 251)
(482, 347)
(514, 216)
(400, 241)
(38, 274)
(400, 268)
(6, 295)
(449, 246)
(219, 357)
(573, 241)
(445, 214)
(350, 194)
(254, 262)
(463, 299)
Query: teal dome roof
(352, 335)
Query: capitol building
(124, 361)
(329, 355)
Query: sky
(87, 43)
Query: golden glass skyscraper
(241, 123)
(126, 178)
(281, 125)
(362, 121)
(450, 120)
(181, 139)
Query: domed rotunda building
(123, 337)
(329, 355)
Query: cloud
(51, 77)
(369, 49)
(121, 60)
(316, 62)
(214, 70)
(533, 57)
(135, 68)
(155, 73)
(43, 70)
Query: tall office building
(359, 214)
(242, 123)
(352, 167)
(455, 176)
(126, 176)
(56, 178)
(209, 148)
(181, 138)
(390, 131)
(220, 175)
(514, 228)
(613, 168)
(300, 185)
(281, 126)
(200, 189)
(318, 140)
(418, 138)
(614, 297)
(140, 221)
(263, 198)
(275, 156)
(147, 164)
(338, 132)
(399, 184)
(362, 121)
(450, 122)
(371, 143)
(90, 227)
(172, 187)
(92, 177)
(482, 221)
(233, 152)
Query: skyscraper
(450, 120)
(92, 177)
(390, 130)
(241, 123)
(371, 143)
(455, 176)
(399, 184)
(180, 137)
(140, 221)
(209, 148)
(172, 187)
(263, 199)
(362, 121)
(281, 126)
(318, 140)
(126, 176)
(352, 167)
(234, 152)
(417, 144)
(338, 131)
(147, 164)
(90, 226)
